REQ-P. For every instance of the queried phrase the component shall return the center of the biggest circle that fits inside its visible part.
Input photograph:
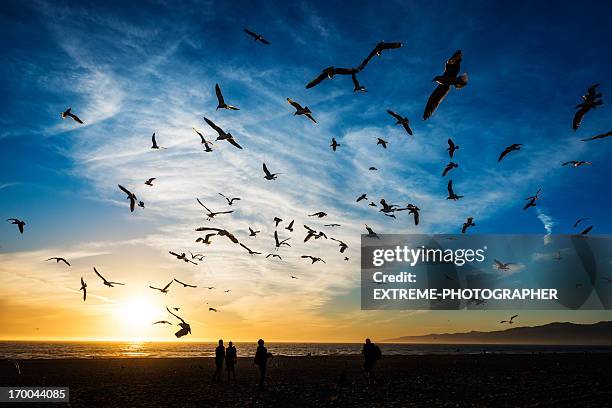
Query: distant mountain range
(565, 333)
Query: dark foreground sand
(575, 380)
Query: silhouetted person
(219, 357)
(371, 354)
(261, 359)
(230, 360)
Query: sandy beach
(403, 381)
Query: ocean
(94, 349)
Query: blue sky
(131, 69)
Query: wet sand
(491, 380)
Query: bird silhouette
(257, 37)
(110, 284)
(449, 167)
(221, 101)
(577, 163)
(206, 239)
(84, 289)
(154, 144)
(251, 252)
(587, 230)
(206, 143)
(401, 120)
(314, 259)
(377, 51)
(185, 285)
(212, 214)
(329, 73)
(503, 266)
(449, 78)
(68, 114)
(277, 221)
(469, 223)
(274, 256)
(364, 196)
(299, 110)
(222, 135)
(279, 243)
(160, 322)
(532, 200)
(163, 290)
(268, 175)
(579, 220)
(319, 214)
(230, 201)
(513, 147)
(371, 233)
(334, 145)
(130, 196)
(149, 182)
(58, 260)
(19, 223)
(451, 192)
(252, 232)
(599, 136)
(590, 100)
(182, 257)
(290, 226)
(510, 321)
(343, 246)
(451, 147)
(185, 327)
(221, 232)
(357, 87)
(382, 142)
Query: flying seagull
(251, 252)
(222, 134)
(257, 37)
(469, 223)
(319, 214)
(373, 168)
(149, 182)
(268, 175)
(414, 210)
(160, 322)
(301, 111)
(68, 114)
(313, 233)
(329, 73)
(163, 290)
(154, 144)
(221, 233)
(274, 256)
(449, 167)
(182, 257)
(130, 196)
(313, 258)
(377, 51)
(221, 102)
(210, 215)
(600, 136)
(212, 309)
(371, 233)
(511, 148)
(401, 120)
(278, 243)
(382, 142)
(331, 225)
(343, 246)
(84, 289)
(206, 239)
(364, 196)
(587, 230)
(110, 284)
(185, 327)
(198, 257)
(532, 200)
(590, 100)
(451, 147)
(445, 81)
(290, 226)
(579, 220)
(58, 259)
(502, 266)
(19, 223)
(230, 201)
(357, 86)
(509, 321)
(334, 145)
(205, 142)
(387, 208)
(277, 221)
(252, 232)
(185, 285)
(577, 163)
(451, 193)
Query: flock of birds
(450, 78)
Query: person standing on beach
(371, 354)
(230, 360)
(261, 359)
(219, 357)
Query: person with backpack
(371, 354)
(230, 360)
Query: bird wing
(219, 95)
(199, 134)
(125, 190)
(207, 209)
(168, 285)
(453, 65)
(395, 115)
(249, 32)
(579, 116)
(183, 321)
(233, 142)
(98, 273)
(265, 169)
(451, 144)
(276, 238)
(449, 187)
(209, 229)
(76, 118)
(294, 104)
(503, 154)
(388, 45)
(586, 231)
(344, 71)
(407, 128)
(436, 97)
(309, 116)
(317, 80)
(355, 82)
(215, 127)
(368, 58)
(263, 40)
